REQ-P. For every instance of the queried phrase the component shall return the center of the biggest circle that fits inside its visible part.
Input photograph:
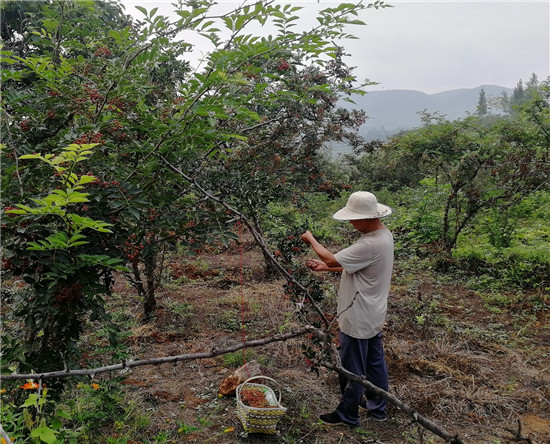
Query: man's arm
(325, 255)
(317, 265)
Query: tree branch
(257, 236)
(324, 336)
(158, 361)
(424, 422)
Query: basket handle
(264, 377)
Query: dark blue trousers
(364, 357)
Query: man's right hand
(327, 260)
(316, 265)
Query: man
(366, 268)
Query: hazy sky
(433, 46)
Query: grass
(183, 310)
(229, 320)
(237, 359)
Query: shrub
(519, 267)
(56, 249)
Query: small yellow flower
(2, 391)
(95, 386)
(4, 441)
(29, 385)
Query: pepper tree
(247, 125)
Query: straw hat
(362, 205)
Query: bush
(511, 248)
(417, 220)
(518, 267)
(57, 250)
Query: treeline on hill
(117, 152)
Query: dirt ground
(476, 368)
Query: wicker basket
(260, 420)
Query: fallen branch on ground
(158, 361)
(417, 417)
(324, 336)
(336, 366)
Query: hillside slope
(392, 111)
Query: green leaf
(86, 179)
(103, 260)
(240, 22)
(228, 22)
(63, 414)
(142, 10)
(72, 177)
(25, 209)
(134, 213)
(56, 423)
(85, 222)
(31, 400)
(30, 156)
(45, 434)
(77, 197)
(75, 238)
(206, 24)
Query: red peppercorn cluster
(117, 104)
(90, 138)
(283, 65)
(69, 293)
(105, 184)
(102, 51)
(131, 248)
(93, 93)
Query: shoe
(331, 419)
(376, 416)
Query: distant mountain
(392, 111)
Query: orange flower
(30, 385)
(95, 386)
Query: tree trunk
(149, 299)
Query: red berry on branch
(283, 65)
